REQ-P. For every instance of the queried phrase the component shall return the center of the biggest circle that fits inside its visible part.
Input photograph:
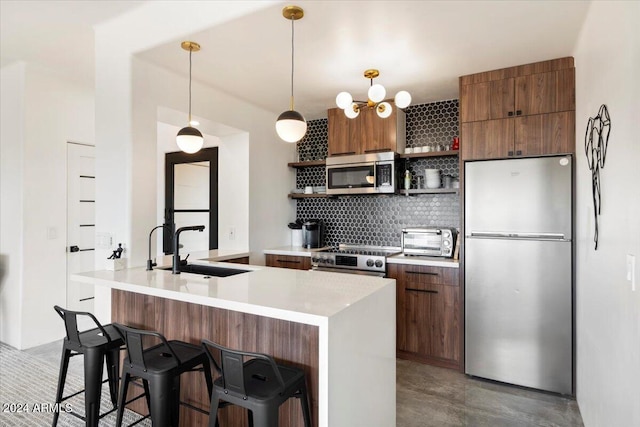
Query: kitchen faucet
(150, 262)
(176, 245)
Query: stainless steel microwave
(361, 174)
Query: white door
(81, 228)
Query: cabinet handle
(510, 153)
(378, 150)
(427, 291)
(519, 153)
(290, 261)
(428, 273)
(344, 154)
(510, 113)
(518, 112)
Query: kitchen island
(340, 328)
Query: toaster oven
(428, 241)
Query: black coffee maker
(313, 233)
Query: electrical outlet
(104, 240)
(232, 233)
(631, 270)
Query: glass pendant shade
(384, 110)
(189, 140)
(344, 100)
(402, 99)
(291, 126)
(377, 93)
(352, 111)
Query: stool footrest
(195, 408)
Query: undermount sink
(208, 270)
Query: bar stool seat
(255, 382)
(159, 367)
(99, 345)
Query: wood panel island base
(339, 328)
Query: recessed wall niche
(378, 220)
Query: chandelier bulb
(384, 110)
(377, 93)
(352, 111)
(402, 99)
(344, 100)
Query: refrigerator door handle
(504, 235)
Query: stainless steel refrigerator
(518, 271)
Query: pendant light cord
(292, 55)
(190, 51)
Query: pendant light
(291, 125)
(189, 139)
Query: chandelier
(376, 99)
(189, 139)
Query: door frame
(171, 159)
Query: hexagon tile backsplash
(379, 220)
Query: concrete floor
(431, 396)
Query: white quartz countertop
(210, 255)
(423, 260)
(293, 251)
(309, 297)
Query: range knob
(378, 263)
(315, 260)
(369, 263)
(330, 261)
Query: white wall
(607, 61)
(12, 82)
(55, 111)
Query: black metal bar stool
(159, 367)
(254, 381)
(97, 345)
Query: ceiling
(419, 46)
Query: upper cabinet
(518, 111)
(367, 133)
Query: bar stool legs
(62, 377)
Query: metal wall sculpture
(596, 141)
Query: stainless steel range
(370, 260)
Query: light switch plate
(631, 270)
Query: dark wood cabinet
(288, 261)
(428, 311)
(552, 133)
(527, 110)
(367, 133)
(486, 139)
(343, 133)
(545, 92)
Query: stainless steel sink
(208, 270)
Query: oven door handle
(349, 271)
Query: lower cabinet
(429, 327)
(288, 261)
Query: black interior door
(203, 208)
